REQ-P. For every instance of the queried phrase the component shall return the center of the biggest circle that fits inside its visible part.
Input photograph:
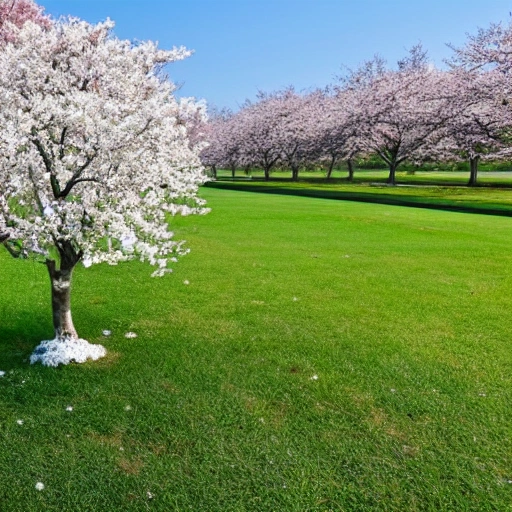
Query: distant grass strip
(490, 201)
(489, 178)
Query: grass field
(497, 175)
(426, 190)
(324, 355)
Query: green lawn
(499, 175)
(421, 190)
(325, 355)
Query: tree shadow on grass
(376, 198)
(20, 333)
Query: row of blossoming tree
(412, 113)
(95, 154)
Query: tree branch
(76, 177)
(71, 184)
(61, 144)
(47, 163)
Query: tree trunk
(295, 173)
(473, 171)
(331, 167)
(267, 173)
(61, 301)
(392, 174)
(214, 171)
(233, 170)
(61, 291)
(350, 170)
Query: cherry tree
(335, 132)
(486, 61)
(294, 128)
(15, 13)
(479, 130)
(94, 156)
(398, 113)
(223, 139)
(489, 48)
(256, 125)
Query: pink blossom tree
(489, 48)
(223, 142)
(479, 130)
(399, 113)
(335, 132)
(486, 60)
(295, 130)
(15, 13)
(280, 128)
(257, 132)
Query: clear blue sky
(242, 46)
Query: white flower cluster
(66, 350)
(94, 147)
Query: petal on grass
(65, 351)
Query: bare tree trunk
(473, 171)
(350, 170)
(61, 289)
(331, 167)
(392, 174)
(214, 171)
(233, 170)
(295, 173)
(61, 301)
(267, 173)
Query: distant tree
(256, 126)
(94, 155)
(489, 48)
(399, 113)
(481, 127)
(15, 13)
(295, 128)
(486, 62)
(335, 132)
(223, 142)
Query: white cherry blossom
(95, 153)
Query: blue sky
(242, 46)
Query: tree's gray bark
(61, 301)
(331, 167)
(350, 170)
(473, 171)
(61, 289)
(392, 174)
